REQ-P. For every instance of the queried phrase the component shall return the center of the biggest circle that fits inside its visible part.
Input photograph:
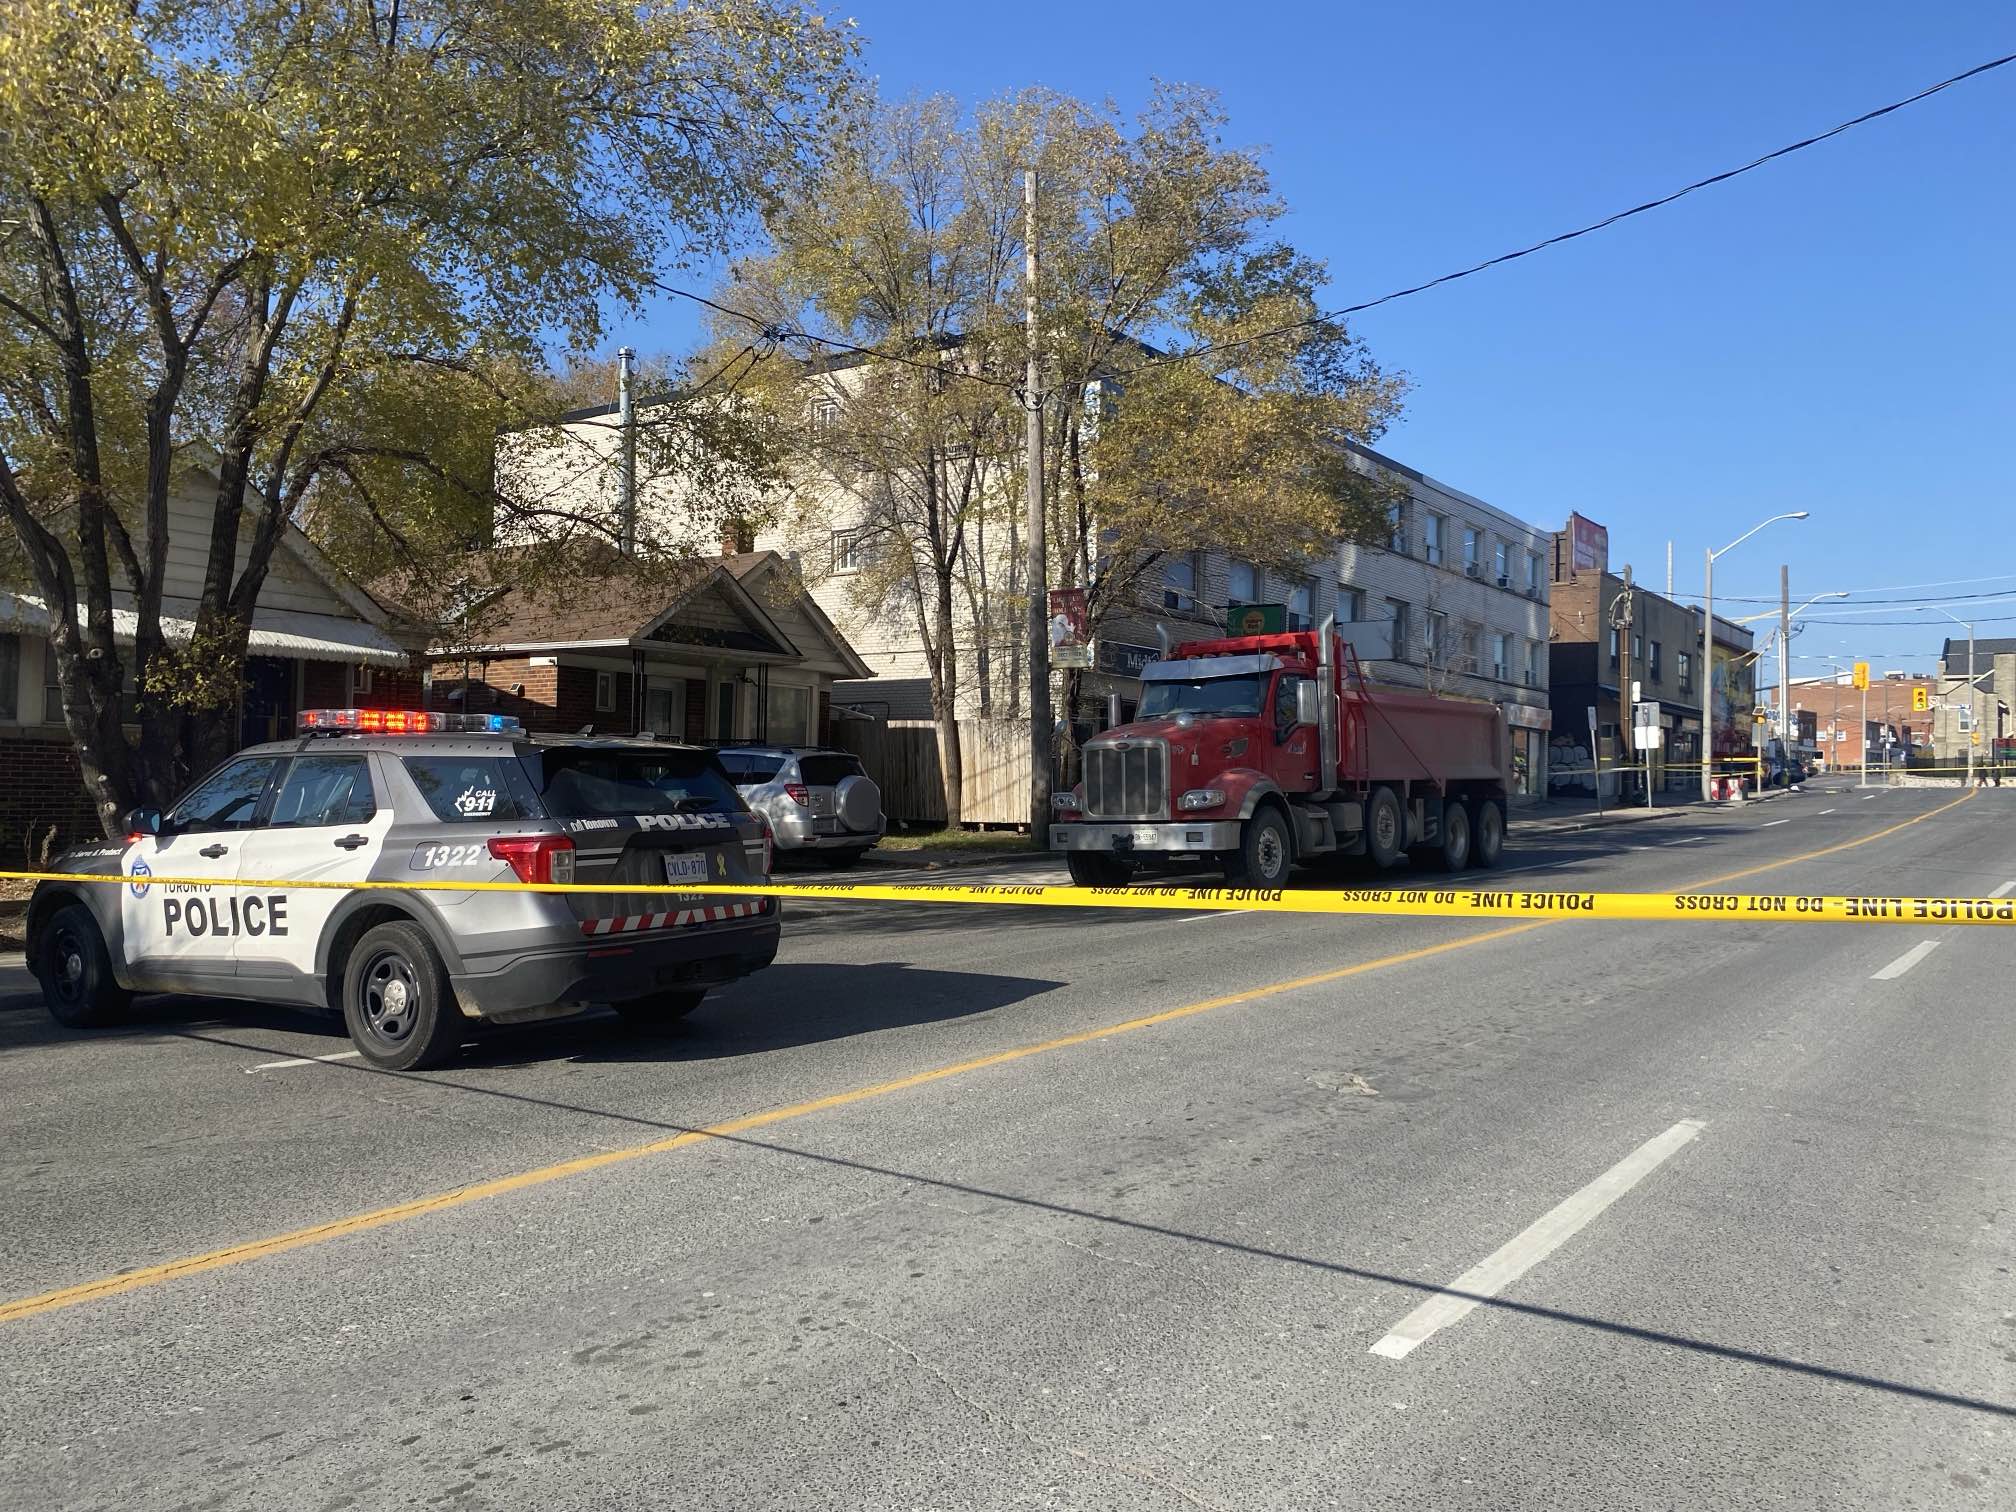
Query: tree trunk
(945, 707)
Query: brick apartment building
(1607, 633)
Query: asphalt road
(988, 1222)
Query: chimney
(737, 535)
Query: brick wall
(326, 685)
(556, 700)
(43, 788)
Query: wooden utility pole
(1042, 738)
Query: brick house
(1891, 730)
(317, 640)
(711, 649)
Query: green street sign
(1256, 619)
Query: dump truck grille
(1128, 779)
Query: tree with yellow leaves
(310, 243)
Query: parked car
(815, 800)
(409, 796)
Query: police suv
(394, 795)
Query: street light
(1785, 660)
(1973, 721)
(1708, 649)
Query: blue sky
(1831, 333)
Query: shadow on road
(1113, 1221)
(783, 1006)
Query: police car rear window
(468, 789)
(582, 784)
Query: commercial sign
(1256, 619)
(1123, 659)
(1588, 545)
(1070, 646)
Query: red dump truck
(1259, 752)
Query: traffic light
(1921, 700)
(1862, 676)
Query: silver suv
(389, 796)
(814, 800)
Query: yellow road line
(1827, 850)
(357, 1223)
(238, 1254)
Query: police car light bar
(406, 722)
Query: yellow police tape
(1482, 903)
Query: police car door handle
(351, 842)
(213, 851)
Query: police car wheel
(397, 1004)
(76, 972)
(659, 1008)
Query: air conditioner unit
(1504, 581)
(1533, 590)
(1471, 569)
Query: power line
(1568, 236)
(1955, 598)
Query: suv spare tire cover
(860, 804)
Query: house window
(1652, 666)
(1431, 539)
(1242, 584)
(825, 413)
(1302, 606)
(360, 684)
(1638, 650)
(1473, 550)
(1501, 657)
(1501, 560)
(788, 715)
(10, 677)
(1532, 569)
(1472, 648)
(1614, 634)
(1351, 604)
(1179, 581)
(605, 692)
(849, 550)
(1396, 611)
(1534, 651)
(1434, 633)
(1396, 528)
(1684, 666)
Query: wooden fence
(902, 756)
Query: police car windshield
(581, 784)
(1204, 695)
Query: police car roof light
(406, 722)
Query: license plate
(688, 867)
(1142, 837)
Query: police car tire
(436, 1032)
(92, 998)
(660, 1007)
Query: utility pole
(1620, 621)
(1042, 738)
(626, 420)
(1669, 569)
(1785, 662)
(1973, 713)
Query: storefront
(1529, 726)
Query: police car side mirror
(143, 821)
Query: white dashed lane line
(1506, 1265)
(1770, 823)
(1906, 961)
(2004, 890)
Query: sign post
(1649, 735)
(1596, 760)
